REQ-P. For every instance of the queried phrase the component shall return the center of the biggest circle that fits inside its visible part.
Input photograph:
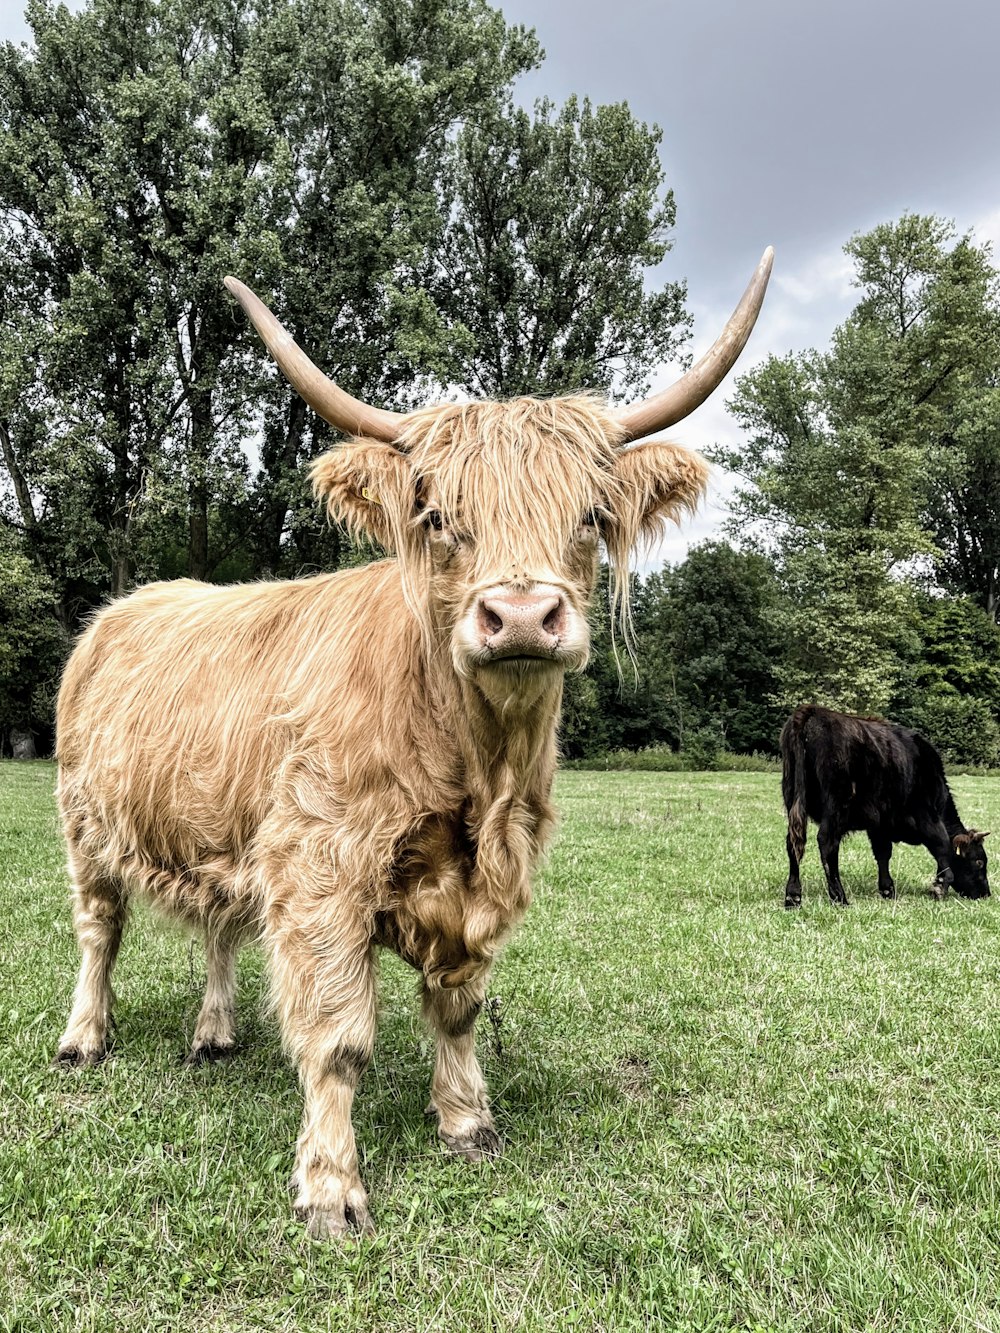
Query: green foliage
(554, 219)
(32, 646)
(959, 649)
(610, 706)
(710, 647)
(703, 676)
(363, 166)
(145, 151)
(844, 627)
(950, 687)
(872, 466)
(662, 759)
(963, 727)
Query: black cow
(848, 773)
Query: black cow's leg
(793, 889)
(882, 851)
(829, 850)
(939, 846)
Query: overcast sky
(791, 123)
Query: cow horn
(691, 390)
(342, 411)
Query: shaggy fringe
(474, 456)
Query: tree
(378, 97)
(950, 682)
(32, 649)
(932, 305)
(704, 674)
(856, 461)
(361, 165)
(554, 219)
(709, 647)
(147, 148)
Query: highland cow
(365, 758)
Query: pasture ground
(718, 1115)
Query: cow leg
(828, 839)
(458, 1089)
(324, 989)
(795, 846)
(882, 851)
(214, 1033)
(939, 846)
(99, 908)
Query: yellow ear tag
(370, 495)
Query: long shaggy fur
(303, 762)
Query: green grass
(717, 1115)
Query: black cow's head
(968, 864)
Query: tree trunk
(22, 491)
(280, 457)
(22, 743)
(201, 452)
(198, 534)
(120, 574)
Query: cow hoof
(888, 894)
(475, 1144)
(331, 1224)
(71, 1057)
(337, 1221)
(790, 903)
(209, 1053)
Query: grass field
(718, 1115)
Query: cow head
(968, 864)
(496, 511)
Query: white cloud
(987, 230)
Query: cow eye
(433, 519)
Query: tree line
(862, 569)
(366, 168)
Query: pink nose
(521, 625)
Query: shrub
(661, 759)
(962, 726)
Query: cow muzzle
(513, 625)
(523, 626)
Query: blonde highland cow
(363, 759)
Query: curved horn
(347, 414)
(691, 390)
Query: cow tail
(793, 784)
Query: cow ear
(369, 487)
(961, 841)
(653, 482)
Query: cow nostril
(490, 621)
(553, 622)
